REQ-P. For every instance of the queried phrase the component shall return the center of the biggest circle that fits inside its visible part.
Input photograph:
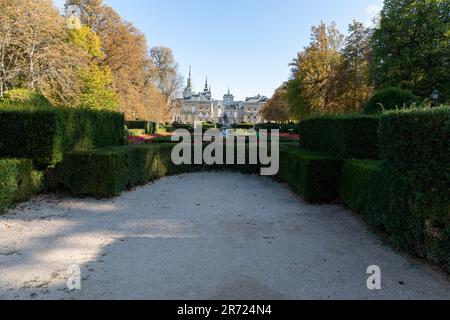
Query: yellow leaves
(87, 40)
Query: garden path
(202, 236)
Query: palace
(196, 107)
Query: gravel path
(202, 236)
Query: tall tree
(315, 71)
(10, 57)
(34, 52)
(127, 55)
(277, 108)
(168, 79)
(412, 46)
(95, 77)
(356, 85)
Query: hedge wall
(267, 126)
(312, 175)
(177, 126)
(108, 172)
(354, 181)
(410, 195)
(18, 181)
(148, 126)
(343, 137)
(45, 134)
(289, 128)
(244, 126)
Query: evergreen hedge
(149, 127)
(354, 181)
(243, 126)
(107, 172)
(45, 134)
(267, 126)
(312, 175)
(289, 128)
(410, 195)
(343, 137)
(18, 182)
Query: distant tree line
(105, 63)
(409, 48)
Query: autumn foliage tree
(316, 69)
(277, 108)
(409, 49)
(34, 51)
(331, 75)
(104, 63)
(136, 78)
(96, 78)
(356, 85)
(168, 79)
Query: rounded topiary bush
(390, 99)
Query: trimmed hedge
(46, 134)
(244, 126)
(290, 128)
(110, 171)
(267, 126)
(354, 181)
(312, 175)
(177, 126)
(410, 195)
(418, 141)
(343, 137)
(18, 182)
(149, 127)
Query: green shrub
(289, 128)
(159, 140)
(108, 172)
(182, 126)
(45, 134)
(101, 173)
(413, 204)
(343, 137)
(354, 181)
(244, 126)
(312, 175)
(136, 132)
(169, 129)
(207, 126)
(25, 96)
(18, 182)
(149, 127)
(392, 207)
(417, 140)
(267, 126)
(390, 99)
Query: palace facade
(196, 107)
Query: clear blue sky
(246, 44)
